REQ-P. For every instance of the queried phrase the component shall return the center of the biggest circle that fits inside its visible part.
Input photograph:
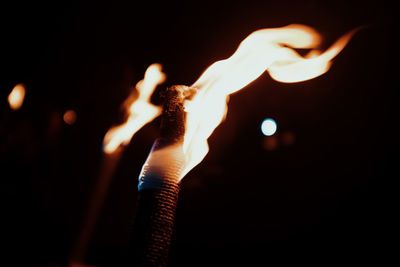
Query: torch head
(173, 115)
(166, 161)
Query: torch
(158, 185)
(140, 112)
(191, 114)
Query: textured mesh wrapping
(158, 196)
(158, 185)
(154, 224)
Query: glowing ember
(266, 49)
(16, 97)
(140, 111)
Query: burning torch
(140, 111)
(191, 114)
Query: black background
(326, 198)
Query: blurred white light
(268, 127)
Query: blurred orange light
(69, 117)
(16, 97)
(288, 138)
(270, 143)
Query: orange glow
(16, 97)
(270, 143)
(269, 50)
(140, 111)
(69, 117)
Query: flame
(140, 111)
(269, 50)
(16, 97)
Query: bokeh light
(268, 127)
(69, 117)
(16, 97)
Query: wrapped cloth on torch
(159, 185)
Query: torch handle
(154, 224)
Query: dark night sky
(323, 199)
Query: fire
(16, 97)
(269, 50)
(140, 111)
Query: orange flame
(16, 97)
(265, 49)
(140, 111)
